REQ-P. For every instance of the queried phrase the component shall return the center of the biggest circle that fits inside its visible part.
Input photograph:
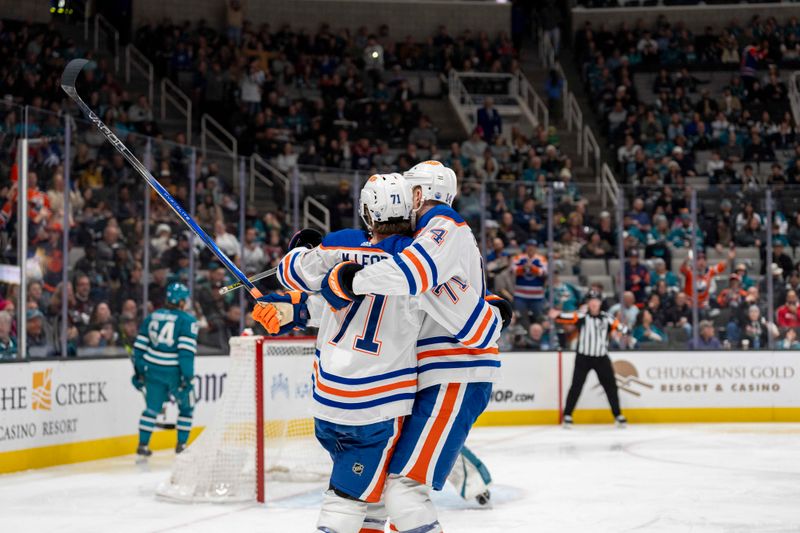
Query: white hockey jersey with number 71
(443, 261)
(366, 365)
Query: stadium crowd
(107, 239)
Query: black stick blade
(71, 72)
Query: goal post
(261, 433)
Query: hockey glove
(337, 286)
(505, 308)
(184, 395)
(306, 238)
(281, 313)
(138, 381)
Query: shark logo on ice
(42, 398)
(627, 377)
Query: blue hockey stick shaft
(68, 78)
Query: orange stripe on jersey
(487, 316)
(419, 472)
(365, 530)
(375, 495)
(365, 392)
(444, 217)
(353, 249)
(572, 320)
(286, 277)
(457, 351)
(422, 274)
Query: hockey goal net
(261, 431)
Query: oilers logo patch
(358, 469)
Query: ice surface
(671, 478)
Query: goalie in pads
(365, 376)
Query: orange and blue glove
(281, 313)
(337, 286)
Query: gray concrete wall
(32, 10)
(696, 18)
(418, 18)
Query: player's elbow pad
(505, 308)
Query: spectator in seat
(679, 314)
(423, 135)
(226, 241)
(646, 331)
(538, 339)
(565, 295)
(758, 151)
(707, 338)
(40, 339)
(637, 277)
(789, 341)
(474, 147)
(626, 312)
(733, 295)
(756, 331)
(656, 309)
(489, 120)
(8, 342)
(531, 277)
(778, 284)
(747, 280)
(788, 315)
(781, 258)
(660, 273)
(595, 248)
(681, 236)
(706, 275)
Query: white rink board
(91, 400)
(652, 380)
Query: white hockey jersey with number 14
(366, 367)
(444, 261)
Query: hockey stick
(68, 78)
(159, 425)
(233, 286)
(307, 237)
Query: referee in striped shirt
(594, 329)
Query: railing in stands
(587, 144)
(532, 100)
(136, 61)
(591, 147)
(211, 130)
(609, 189)
(461, 101)
(794, 96)
(171, 93)
(322, 220)
(111, 33)
(261, 170)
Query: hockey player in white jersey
(455, 373)
(365, 377)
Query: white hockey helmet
(438, 182)
(385, 198)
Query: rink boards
(57, 412)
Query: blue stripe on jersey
(412, 285)
(471, 320)
(295, 277)
(457, 364)
(430, 262)
(369, 379)
(439, 210)
(347, 319)
(437, 340)
(363, 405)
(281, 280)
(488, 337)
